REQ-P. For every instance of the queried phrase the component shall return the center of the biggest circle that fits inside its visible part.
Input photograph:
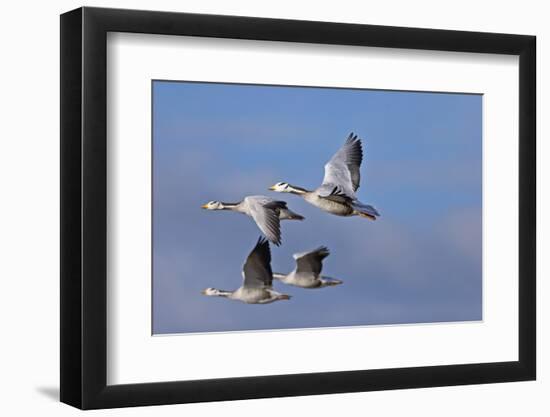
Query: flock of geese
(336, 195)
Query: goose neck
(279, 276)
(230, 206)
(297, 190)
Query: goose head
(285, 187)
(281, 187)
(211, 291)
(213, 205)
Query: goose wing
(257, 267)
(265, 212)
(342, 172)
(311, 261)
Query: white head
(213, 205)
(211, 292)
(281, 187)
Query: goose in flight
(336, 195)
(257, 279)
(307, 273)
(265, 211)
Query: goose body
(331, 206)
(307, 273)
(336, 195)
(257, 279)
(265, 211)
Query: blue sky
(419, 262)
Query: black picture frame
(84, 207)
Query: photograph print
(291, 207)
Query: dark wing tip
(263, 249)
(262, 241)
(276, 204)
(323, 251)
(276, 240)
(352, 138)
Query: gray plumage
(342, 173)
(336, 194)
(311, 262)
(257, 279)
(265, 211)
(257, 268)
(307, 273)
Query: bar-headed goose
(307, 273)
(265, 211)
(336, 194)
(257, 279)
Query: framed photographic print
(258, 207)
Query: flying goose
(307, 273)
(265, 211)
(257, 279)
(336, 194)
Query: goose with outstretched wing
(265, 211)
(336, 194)
(257, 279)
(307, 273)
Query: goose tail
(365, 210)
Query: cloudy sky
(419, 262)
